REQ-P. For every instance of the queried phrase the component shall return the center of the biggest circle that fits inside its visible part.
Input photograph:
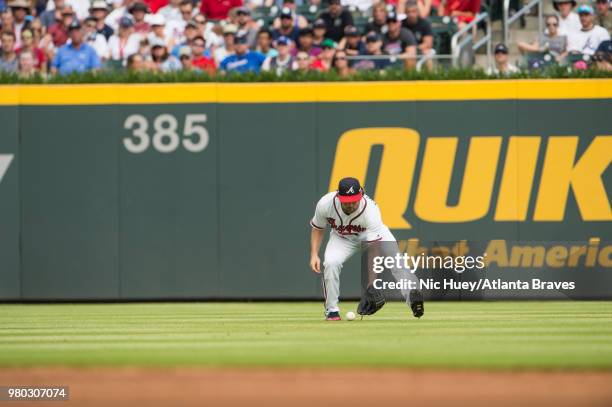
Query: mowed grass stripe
(452, 335)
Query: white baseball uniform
(348, 233)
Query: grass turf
(490, 335)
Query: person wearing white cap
(158, 30)
(587, 39)
(99, 11)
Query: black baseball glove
(371, 302)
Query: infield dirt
(315, 387)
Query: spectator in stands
(155, 5)
(199, 60)
(351, 44)
(502, 66)
(306, 43)
(139, 11)
(243, 60)
(399, 41)
(53, 15)
(379, 19)
(162, 60)
(136, 62)
(6, 20)
(158, 30)
(95, 39)
(302, 62)
(287, 26)
(326, 57)
(318, 32)
(336, 19)
(247, 26)
(27, 67)
(362, 5)
(587, 39)
(76, 56)
(568, 20)
(218, 9)
(341, 64)
(125, 42)
(604, 15)
(373, 55)
(99, 11)
(176, 28)
(298, 20)
(264, 43)
(113, 18)
(189, 35)
(20, 9)
(80, 7)
(186, 60)
(420, 27)
(283, 62)
(463, 10)
(229, 33)
(8, 57)
(28, 44)
(549, 41)
(603, 57)
(207, 30)
(424, 7)
(171, 11)
(58, 32)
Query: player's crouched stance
(354, 219)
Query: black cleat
(416, 303)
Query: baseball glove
(371, 302)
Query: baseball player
(354, 220)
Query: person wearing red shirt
(199, 60)
(155, 5)
(218, 9)
(463, 10)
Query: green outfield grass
(451, 335)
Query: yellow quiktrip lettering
(585, 177)
(400, 147)
(477, 186)
(517, 179)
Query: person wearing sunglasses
(341, 65)
(199, 60)
(95, 39)
(590, 35)
(548, 41)
(302, 62)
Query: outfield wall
(205, 190)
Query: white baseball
(350, 316)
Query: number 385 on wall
(165, 137)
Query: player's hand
(315, 263)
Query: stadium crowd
(217, 36)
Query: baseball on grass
(350, 316)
